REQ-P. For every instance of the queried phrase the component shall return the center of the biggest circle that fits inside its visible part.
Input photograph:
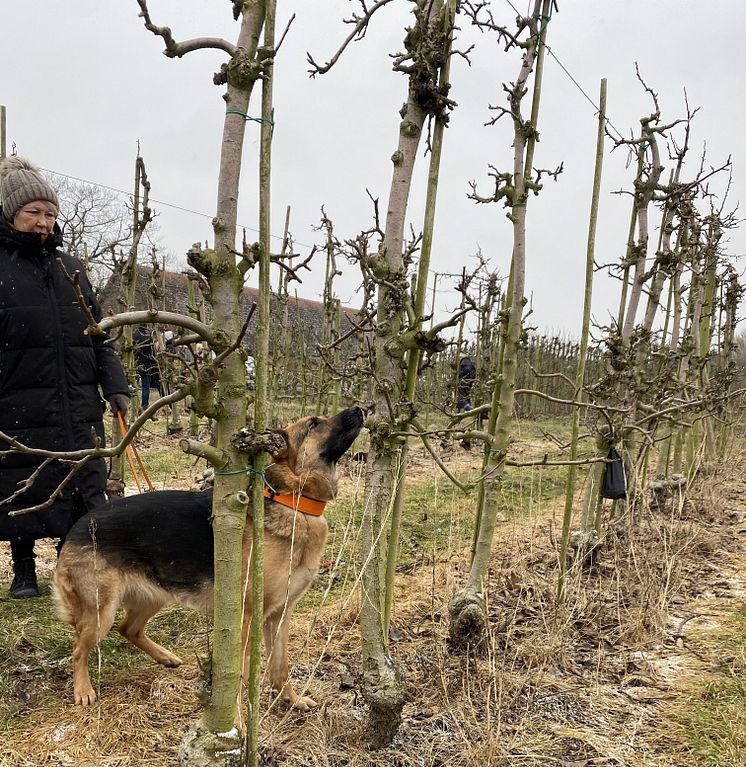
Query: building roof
(171, 293)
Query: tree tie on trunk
(269, 120)
(251, 470)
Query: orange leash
(129, 450)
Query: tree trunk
(382, 681)
(230, 501)
(468, 619)
(414, 353)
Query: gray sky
(84, 81)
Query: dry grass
(586, 685)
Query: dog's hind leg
(140, 609)
(91, 626)
(85, 597)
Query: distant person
(250, 367)
(52, 373)
(467, 374)
(168, 340)
(145, 363)
(170, 371)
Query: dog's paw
(169, 660)
(303, 703)
(85, 696)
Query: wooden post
(261, 416)
(2, 131)
(584, 336)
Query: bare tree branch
(178, 49)
(358, 32)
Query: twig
(58, 490)
(361, 25)
(572, 402)
(421, 433)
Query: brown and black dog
(148, 551)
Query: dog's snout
(354, 415)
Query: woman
(50, 372)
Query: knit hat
(22, 183)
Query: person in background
(168, 341)
(467, 374)
(145, 363)
(52, 373)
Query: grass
(31, 655)
(438, 518)
(35, 665)
(714, 722)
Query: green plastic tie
(543, 18)
(269, 120)
(250, 470)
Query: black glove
(120, 403)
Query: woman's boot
(24, 583)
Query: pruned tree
(468, 618)
(142, 216)
(396, 333)
(655, 393)
(329, 378)
(224, 400)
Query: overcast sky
(83, 81)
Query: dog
(145, 552)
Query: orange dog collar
(297, 502)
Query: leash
(129, 450)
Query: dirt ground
(611, 679)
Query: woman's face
(38, 216)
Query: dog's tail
(65, 596)
(60, 600)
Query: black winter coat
(467, 371)
(50, 374)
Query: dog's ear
(282, 453)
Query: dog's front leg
(276, 641)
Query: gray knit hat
(22, 183)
